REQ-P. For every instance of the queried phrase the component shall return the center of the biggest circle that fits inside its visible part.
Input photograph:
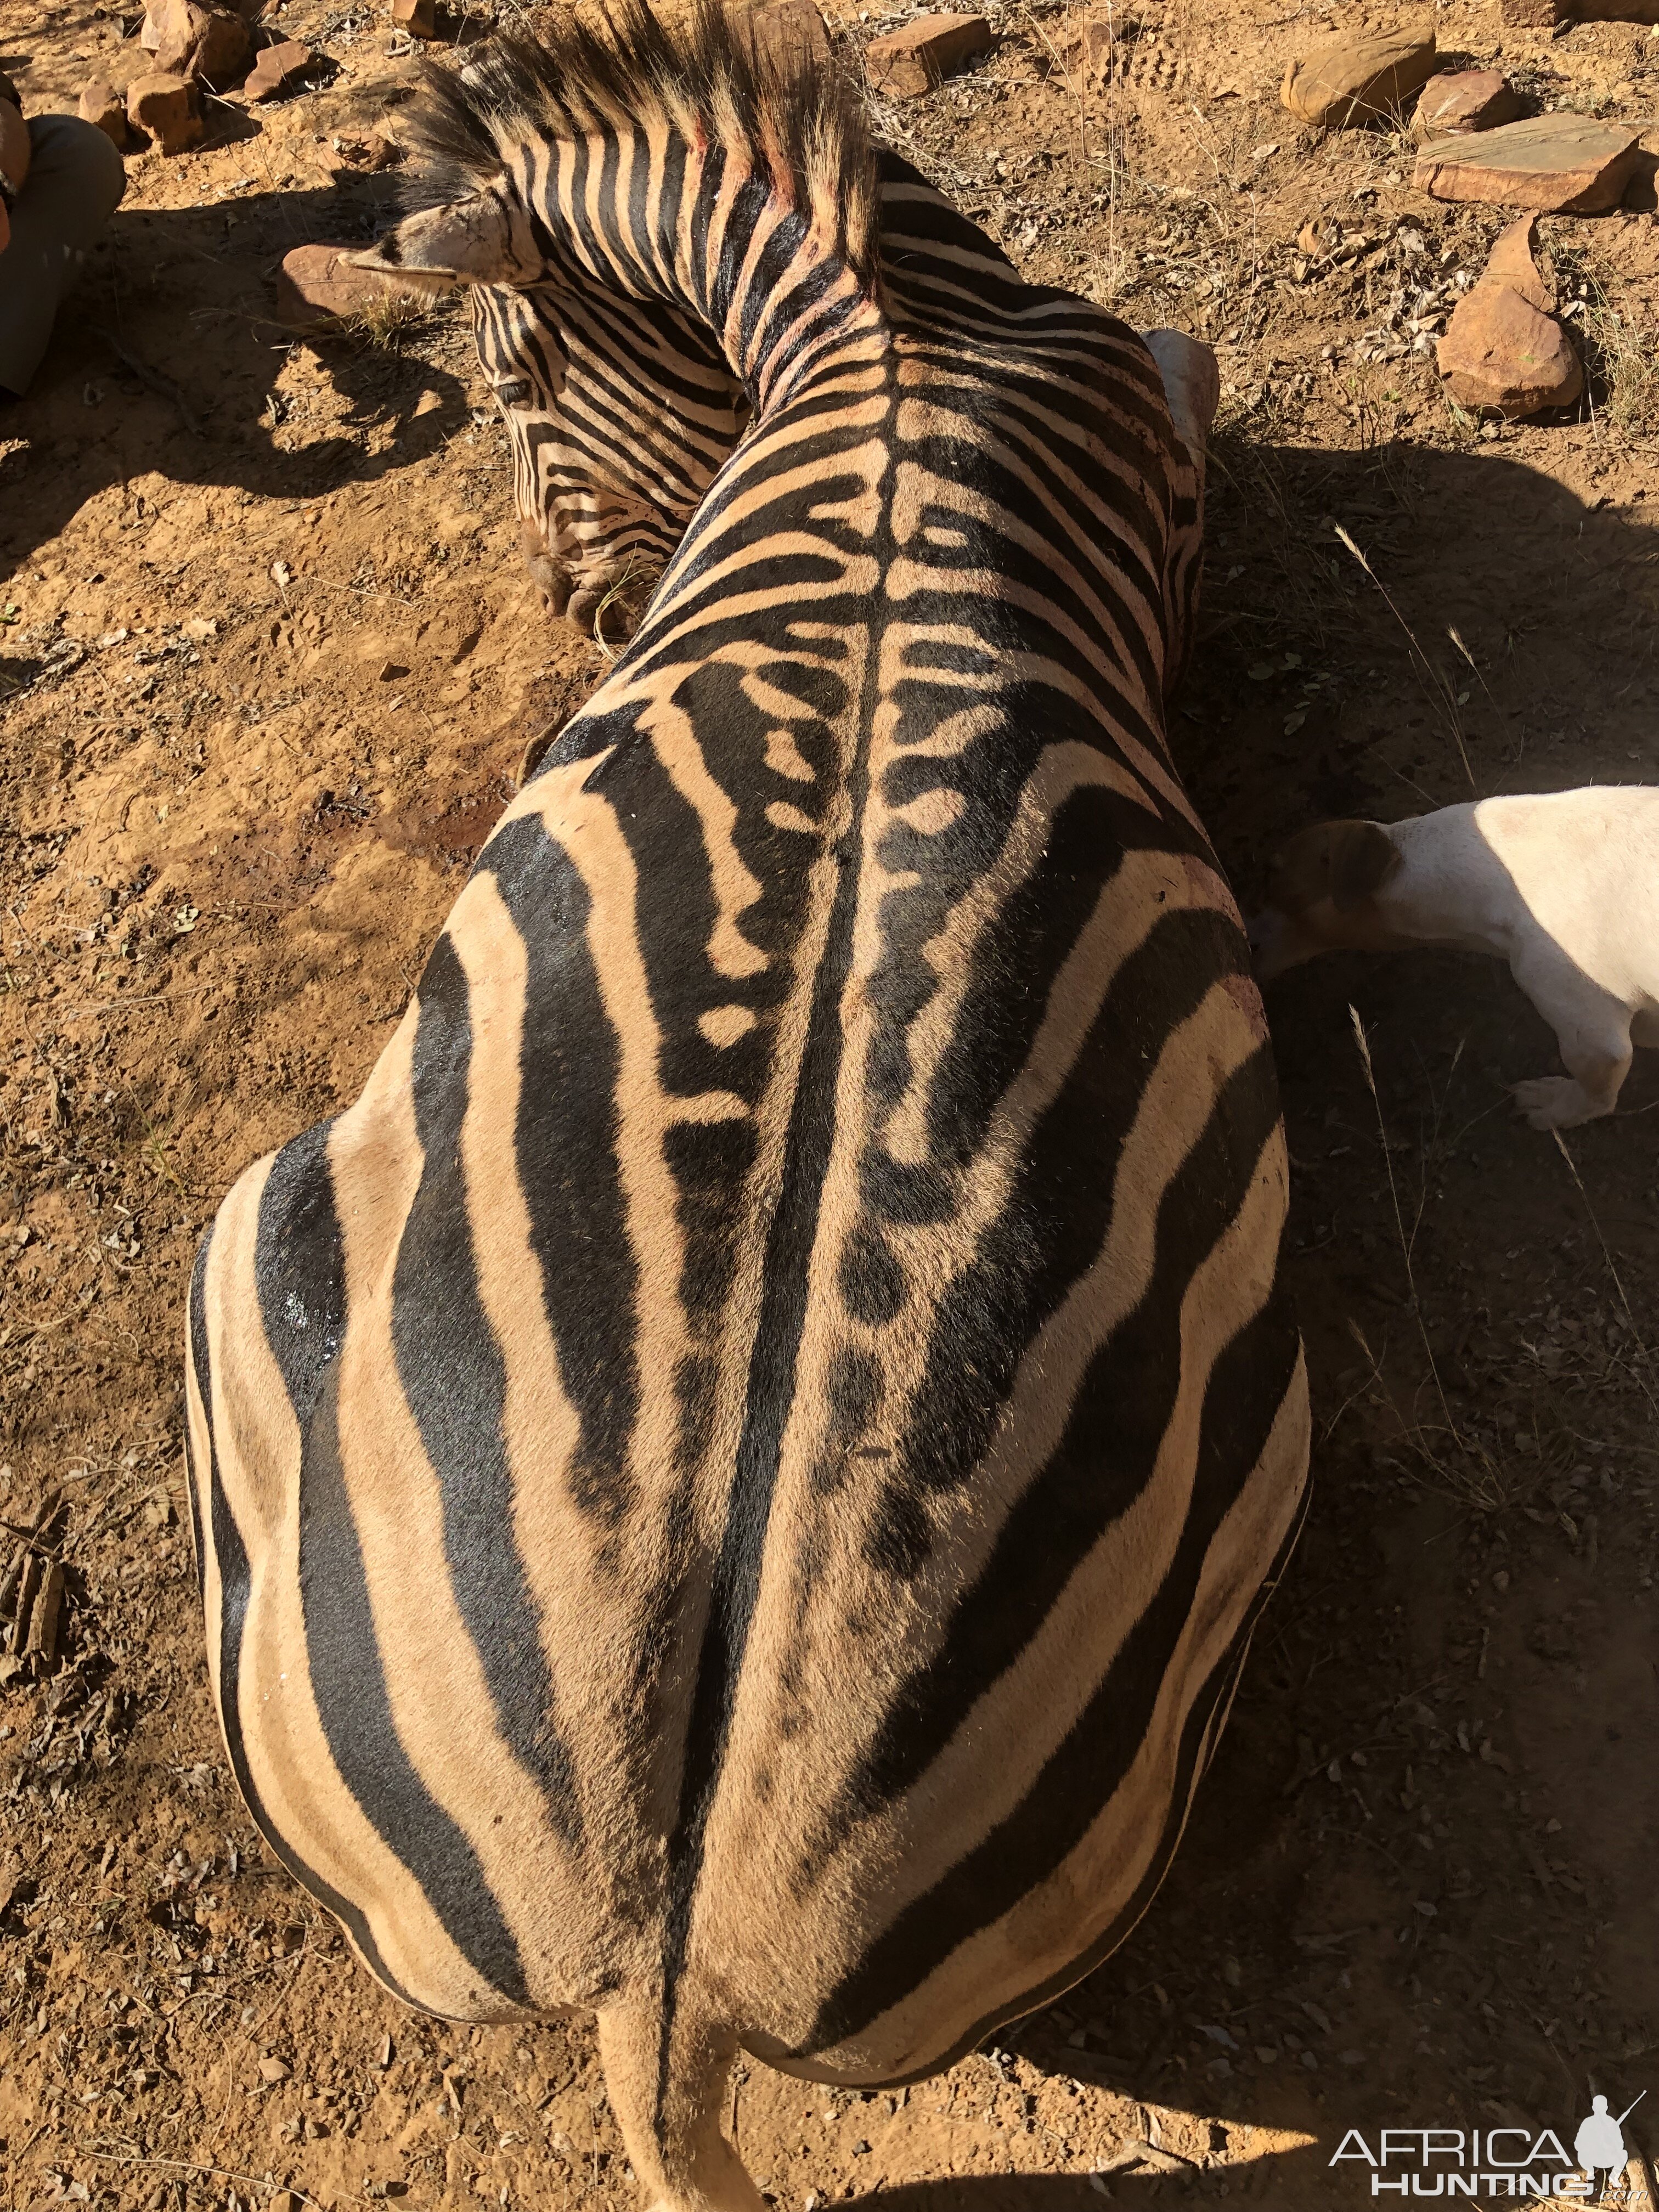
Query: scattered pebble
(375, 152)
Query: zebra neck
(707, 233)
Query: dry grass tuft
(1619, 363)
(389, 322)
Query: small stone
(375, 152)
(1553, 164)
(274, 2071)
(48, 1610)
(316, 284)
(1500, 351)
(1464, 99)
(169, 108)
(1533, 14)
(915, 60)
(101, 106)
(278, 70)
(212, 44)
(1343, 81)
(418, 17)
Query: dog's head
(1321, 889)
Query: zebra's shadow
(166, 359)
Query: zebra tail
(668, 2106)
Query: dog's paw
(1553, 1101)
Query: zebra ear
(467, 242)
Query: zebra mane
(772, 104)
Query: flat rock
(1343, 81)
(169, 108)
(1501, 351)
(278, 70)
(212, 44)
(102, 105)
(1553, 164)
(924, 53)
(1461, 100)
(418, 17)
(317, 285)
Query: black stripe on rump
(1105, 1455)
(565, 1143)
(1247, 1387)
(299, 1272)
(455, 1383)
(1056, 1218)
(234, 1582)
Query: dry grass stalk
(1442, 694)
(1642, 1383)
(1471, 1475)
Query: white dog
(1564, 887)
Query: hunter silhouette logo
(1501, 2162)
(1599, 2145)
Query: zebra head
(621, 407)
(619, 411)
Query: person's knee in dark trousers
(60, 181)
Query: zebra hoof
(1191, 385)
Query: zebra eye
(514, 392)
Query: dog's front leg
(1592, 1028)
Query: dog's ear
(1363, 857)
(1299, 873)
